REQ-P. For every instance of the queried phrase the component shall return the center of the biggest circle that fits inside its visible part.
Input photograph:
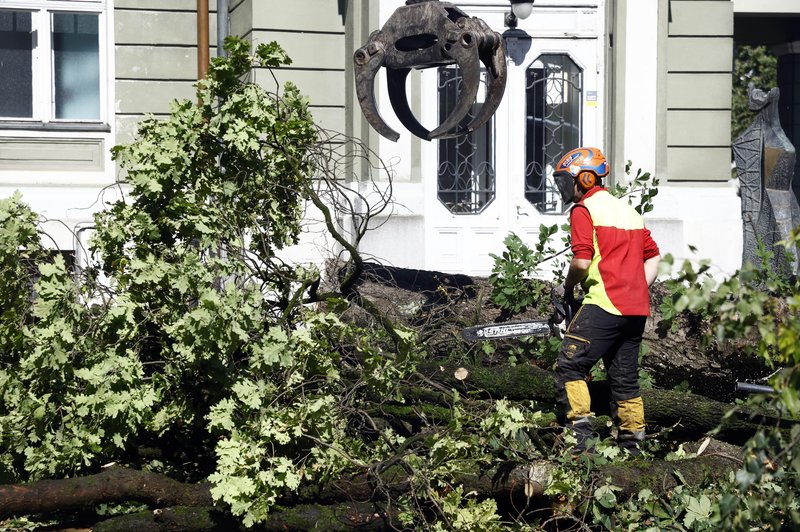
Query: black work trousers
(592, 335)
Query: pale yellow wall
(698, 83)
(155, 47)
(313, 34)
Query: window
(51, 57)
(554, 96)
(466, 182)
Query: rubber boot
(582, 430)
(630, 441)
(630, 416)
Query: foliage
(513, 279)
(640, 188)
(757, 309)
(191, 336)
(751, 64)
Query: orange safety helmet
(584, 166)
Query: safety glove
(562, 310)
(565, 305)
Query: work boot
(582, 429)
(630, 441)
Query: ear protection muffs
(586, 180)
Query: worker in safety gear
(616, 260)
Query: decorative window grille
(466, 175)
(553, 124)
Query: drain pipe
(202, 39)
(223, 17)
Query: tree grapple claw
(424, 34)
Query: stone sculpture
(765, 165)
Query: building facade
(647, 81)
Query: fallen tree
(181, 506)
(191, 348)
(113, 485)
(689, 415)
(678, 352)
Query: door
(498, 180)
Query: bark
(336, 517)
(332, 503)
(662, 476)
(691, 415)
(175, 519)
(115, 484)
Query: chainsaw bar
(511, 329)
(424, 34)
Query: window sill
(55, 126)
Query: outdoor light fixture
(522, 8)
(517, 41)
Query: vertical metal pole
(202, 38)
(223, 9)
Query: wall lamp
(522, 8)
(517, 41)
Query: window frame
(43, 104)
(547, 186)
(481, 186)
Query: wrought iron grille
(466, 174)
(553, 124)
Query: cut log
(691, 415)
(115, 484)
(333, 503)
(334, 518)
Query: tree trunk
(192, 508)
(115, 484)
(660, 476)
(677, 355)
(333, 518)
(691, 415)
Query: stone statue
(765, 164)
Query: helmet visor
(566, 186)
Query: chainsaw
(424, 34)
(563, 312)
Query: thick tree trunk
(115, 484)
(192, 510)
(175, 519)
(333, 518)
(660, 476)
(691, 415)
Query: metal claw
(470, 67)
(496, 72)
(396, 79)
(425, 34)
(368, 59)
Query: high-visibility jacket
(621, 243)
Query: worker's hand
(563, 301)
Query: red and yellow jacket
(612, 234)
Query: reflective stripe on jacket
(616, 281)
